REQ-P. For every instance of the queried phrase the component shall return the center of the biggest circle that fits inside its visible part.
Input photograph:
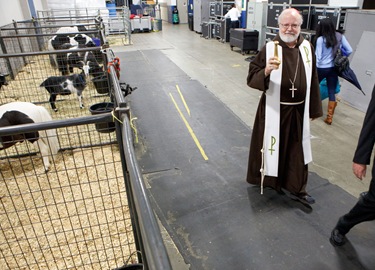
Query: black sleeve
(367, 137)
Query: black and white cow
(17, 113)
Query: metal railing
(151, 242)
(148, 241)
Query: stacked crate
(312, 12)
(217, 27)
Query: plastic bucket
(101, 84)
(157, 25)
(104, 107)
(96, 41)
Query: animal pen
(90, 210)
(116, 20)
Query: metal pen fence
(76, 216)
(31, 70)
(90, 210)
(116, 20)
(28, 62)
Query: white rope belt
(292, 103)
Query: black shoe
(308, 199)
(337, 239)
(362, 194)
(305, 199)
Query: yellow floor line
(183, 100)
(190, 130)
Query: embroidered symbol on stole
(307, 52)
(273, 142)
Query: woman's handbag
(324, 89)
(341, 61)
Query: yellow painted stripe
(183, 100)
(190, 130)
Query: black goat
(3, 80)
(65, 85)
(86, 61)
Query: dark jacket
(367, 137)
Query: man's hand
(359, 170)
(273, 63)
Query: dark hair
(326, 29)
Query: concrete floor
(223, 72)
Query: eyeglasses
(286, 26)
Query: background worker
(234, 16)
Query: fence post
(18, 40)
(7, 60)
(37, 31)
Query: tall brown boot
(331, 110)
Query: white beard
(288, 38)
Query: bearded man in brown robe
(285, 71)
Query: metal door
(363, 64)
(197, 14)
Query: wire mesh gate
(81, 214)
(76, 216)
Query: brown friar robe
(292, 171)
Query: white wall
(40, 5)
(19, 10)
(71, 4)
(10, 12)
(344, 3)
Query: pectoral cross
(292, 89)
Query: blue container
(96, 41)
(111, 8)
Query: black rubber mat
(198, 188)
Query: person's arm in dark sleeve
(256, 77)
(367, 136)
